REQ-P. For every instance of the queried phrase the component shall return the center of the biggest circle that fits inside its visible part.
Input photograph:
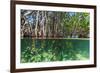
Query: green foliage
(38, 23)
(45, 50)
(54, 24)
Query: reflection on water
(44, 50)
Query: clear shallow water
(39, 50)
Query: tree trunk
(36, 25)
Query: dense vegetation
(37, 50)
(47, 24)
(46, 36)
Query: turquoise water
(38, 50)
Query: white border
(58, 63)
